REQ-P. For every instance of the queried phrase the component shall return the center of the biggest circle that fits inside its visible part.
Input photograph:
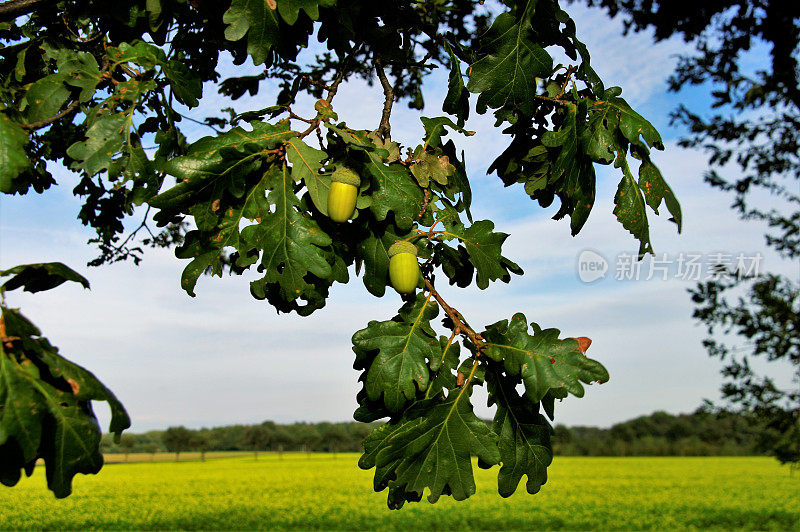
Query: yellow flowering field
(322, 491)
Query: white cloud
(634, 62)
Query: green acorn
(403, 267)
(342, 195)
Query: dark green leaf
(656, 189)
(631, 124)
(46, 413)
(205, 247)
(79, 68)
(154, 9)
(630, 208)
(442, 370)
(458, 182)
(394, 191)
(45, 97)
(366, 141)
(484, 248)
(39, 277)
(74, 447)
(598, 140)
(399, 349)
(374, 252)
(431, 447)
(306, 162)
(140, 53)
(231, 155)
(456, 102)
(103, 142)
(290, 9)
(506, 76)
(258, 21)
(524, 436)
(435, 129)
(545, 363)
(84, 386)
(13, 159)
(186, 86)
(571, 175)
(289, 241)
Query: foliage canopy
(753, 143)
(104, 93)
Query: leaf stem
(466, 381)
(444, 354)
(5, 340)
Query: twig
(335, 85)
(190, 119)
(458, 322)
(130, 71)
(117, 249)
(314, 124)
(315, 82)
(319, 138)
(424, 203)
(571, 70)
(431, 232)
(556, 101)
(384, 128)
(78, 38)
(300, 118)
(33, 126)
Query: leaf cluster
(751, 138)
(96, 88)
(562, 120)
(419, 381)
(100, 93)
(45, 400)
(768, 316)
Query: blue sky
(224, 357)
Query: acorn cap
(402, 247)
(343, 174)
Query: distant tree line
(267, 436)
(702, 433)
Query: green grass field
(325, 492)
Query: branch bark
(15, 8)
(33, 126)
(458, 320)
(384, 128)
